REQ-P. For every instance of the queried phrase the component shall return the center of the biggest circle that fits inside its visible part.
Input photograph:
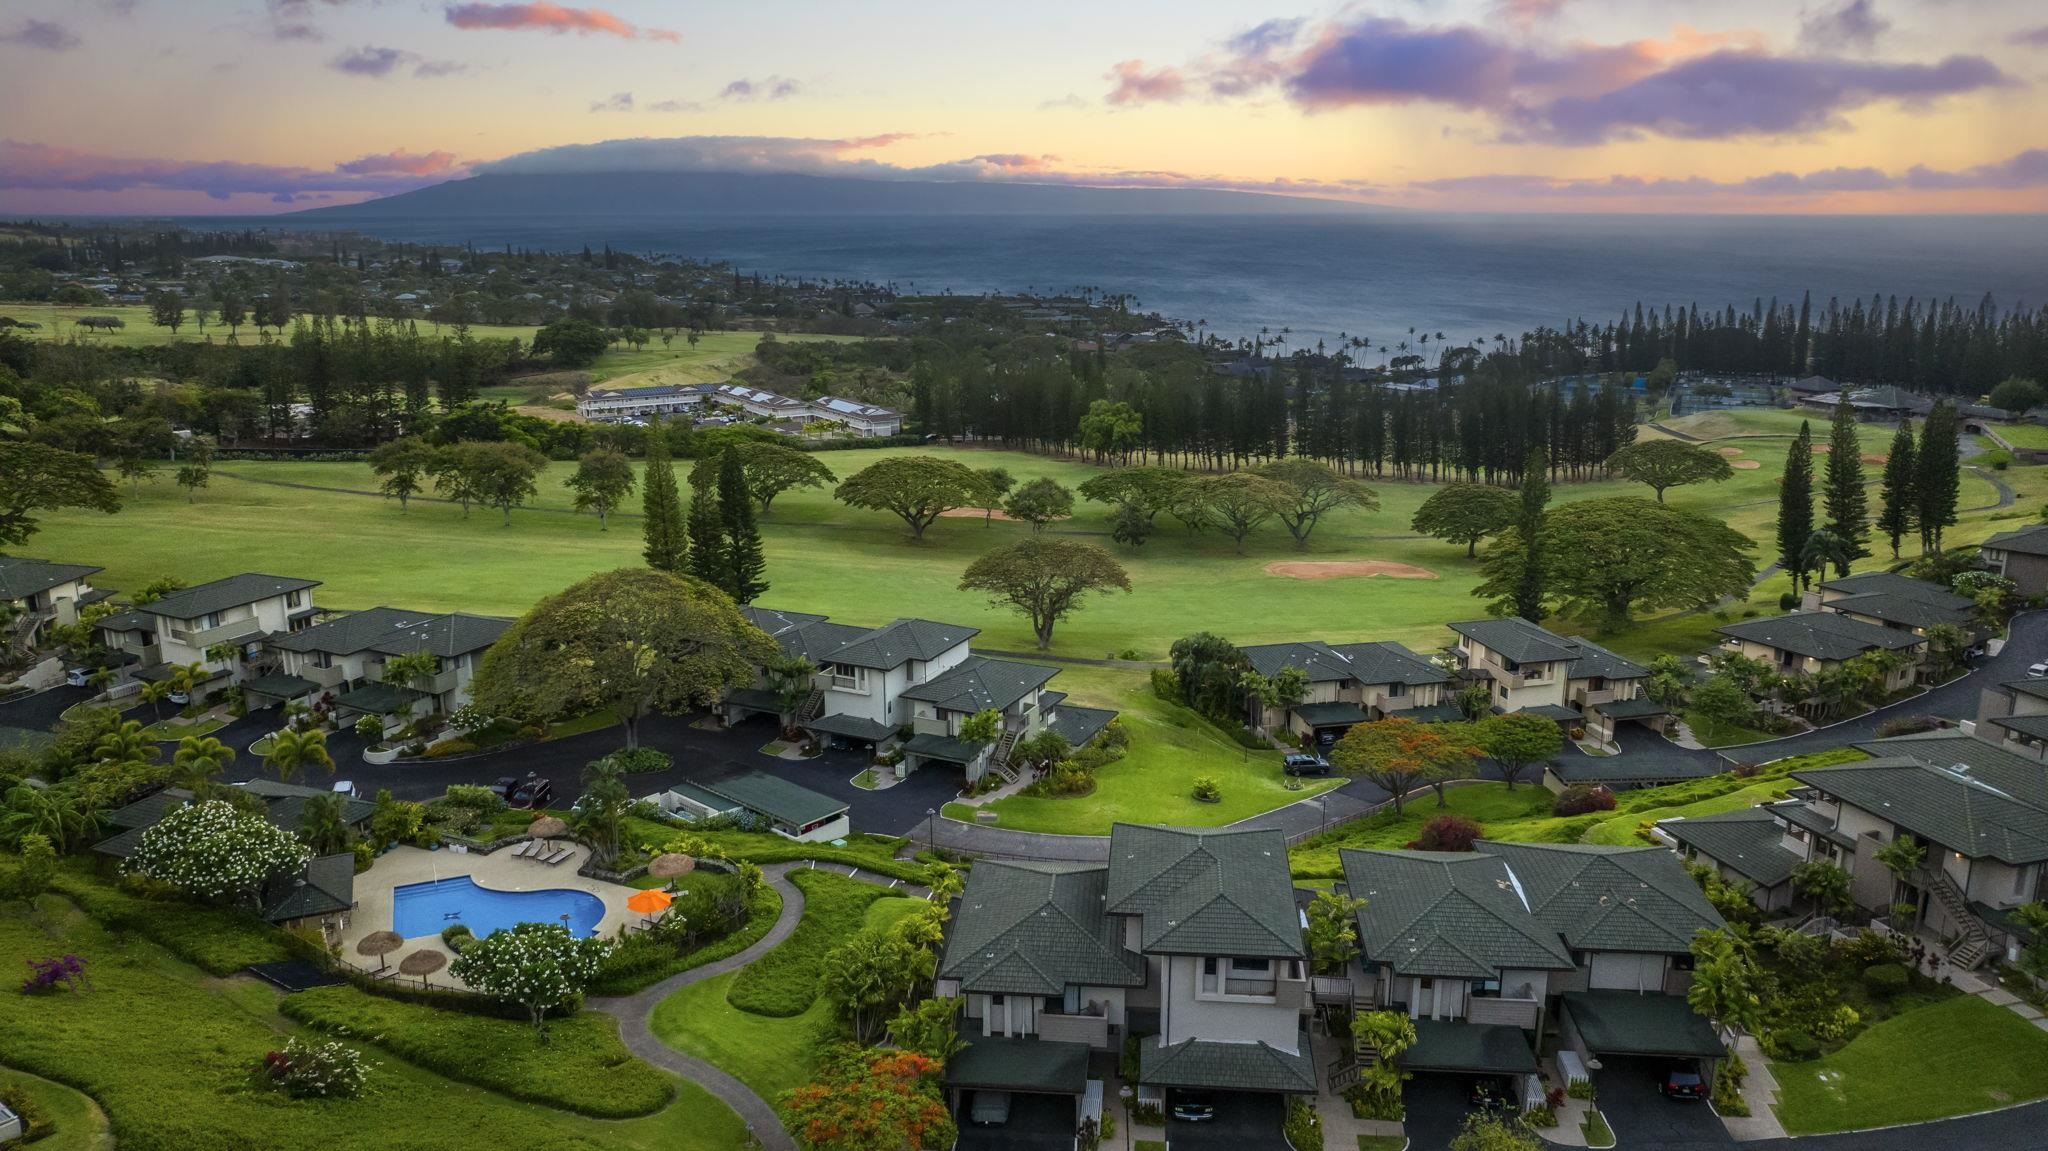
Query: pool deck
(404, 866)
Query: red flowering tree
(871, 1100)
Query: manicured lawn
(784, 982)
(1951, 1058)
(175, 729)
(165, 1051)
(773, 1052)
(1152, 783)
(1376, 1142)
(77, 1124)
(2023, 435)
(582, 1067)
(59, 322)
(1722, 735)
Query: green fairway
(2023, 435)
(166, 1051)
(716, 358)
(1951, 1058)
(60, 322)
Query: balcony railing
(223, 633)
(1090, 1029)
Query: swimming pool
(425, 908)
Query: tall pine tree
(1533, 583)
(743, 564)
(667, 547)
(1901, 502)
(1848, 507)
(1795, 506)
(707, 536)
(1936, 482)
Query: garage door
(1619, 972)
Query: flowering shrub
(306, 1069)
(212, 851)
(46, 975)
(868, 1100)
(1448, 831)
(539, 966)
(1580, 799)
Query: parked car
(991, 1109)
(531, 792)
(346, 787)
(1304, 763)
(2038, 671)
(181, 698)
(1194, 1106)
(1682, 1081)
(78, 677)
(1495, 1094)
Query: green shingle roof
(396, 631)
(1517, 639)
(933, 746)
(325, 887)
(898, 643)
(2029, 725)
(851, 726)
(1607, 898)
(222, 594)
(777, 798)
(1626, 1023)
(1207, 892)
(1077, 725)
(1961, 793)
(978, 683)
(1747, 842)
(1330, 714)
(1455, 1045)
(2030, 540)
(1036, 929)
(22, 577)
(1366, 663)
(1898, 599)
(1037, 1065)
(1821, 635)
(378, 698)
(1456, 915)
(1225, 1066)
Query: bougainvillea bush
(214, 852)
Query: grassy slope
(58, 323)
(784, 982)
(768, 1054)
(77, 1122)
(1954, 1057)
(164, 1050)
(717, 357)
(2023, 435)
(1170, 746)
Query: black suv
(1682, 1081)
(531, 792)
(1304, 763)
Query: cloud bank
(47, 35)
(545, 17)
(48, 168)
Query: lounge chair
(560, 857)
(530, 848)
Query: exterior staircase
(812, 705)
(1344, 1074)
(1973, 945)
(999, 759)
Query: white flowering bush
(214, 851)
(537, 965)
(306, 1069)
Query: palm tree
(53, 812)
(403, 670)
(153, 693)
(199, 758)
(291, 751)
(126, 744)
(324, 825)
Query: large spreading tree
(634, 641)
(916, 489)
(402, 466)
(1518, 740)
(1045, 577)
(36, 477)
(603, 479)
(1312, 491)
(1398, 755)
(1610, 558)
(1465, 513)
(1668, 464)
(1235, 503)
(216, 852)
(770, 468)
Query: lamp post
(931, 830)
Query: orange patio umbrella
(649, 902)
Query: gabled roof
(840, 406)
(979, 683)
(2032, 726)
(1517, 639)
(1960, 792)
(775, 622)
(222, 594)
(1451, 914)
(2038, 688)
(22, 577)
(326, 886)
(1625, 1023)
(1076, 724)
(1897, 599)
(397, 631)
(777, 798)
(1748, 842)
(1367, 663)
(135, 620)
(2030, 540)
(1822, 635)
(819, 642)
(1206, 892)
(896, 644)
(1035, 929)
(1610, 899)
(1226, 1066)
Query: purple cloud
(2035, 36)
(2027, 169)
(768, 88)
(41, 166)
(619, 102)
(1387, 61)
(368, 61)
(1732, 93)
(1852, 25)
(675, 106)
(44, 34)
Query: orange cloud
(546, 17)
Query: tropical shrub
(307, 1068)
(448, 747)
(786, 981)
(1207, 790)
(1449, 831)
(1886, 979)
(215, 852)
(634, 761)
(539, 966)
(1304, 1128)
(1582, 799)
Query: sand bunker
(1339, 569)
(1744, 465)
(975, 514)
(1876, 459)
(1729, 451)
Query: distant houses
(662, 401)
(1349, 684)
(42, 593)
(1573, 681)
(2021, 556)
(1843, 619)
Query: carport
(1243, 1122)
(1246, 1082)
(1642, 709)
(1631, 1038)
(1326, 723)
(1044, 1079)
(1449, 1056)
(851, 728)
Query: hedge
(784, 982)
(620, 979)
(217, 940)
(582, 1067)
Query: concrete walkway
(635, 1012)
(1760, 1091)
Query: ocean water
(1375, 275)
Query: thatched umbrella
(422, 964)
(670, 865)
(546, 827)
(380, 944)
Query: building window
(293, 599)
(849, 678)
(1209, 965)
(1486, 989)
(1260, 966)
(1396, 690)
(321, 659)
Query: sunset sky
(247, 106)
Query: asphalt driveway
(1036, 1123)
(1628, 1096)
(1243, 1122)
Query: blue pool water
(425, 908)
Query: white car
(78, 677)
(345, 787)
(2038, 671)
(181, 698)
